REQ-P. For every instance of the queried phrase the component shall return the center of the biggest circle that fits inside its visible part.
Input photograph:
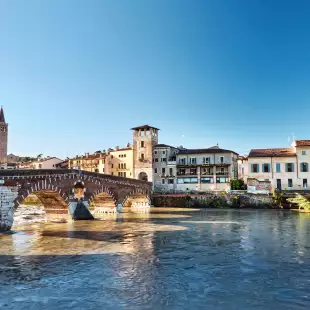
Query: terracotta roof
(302, 142)
(204, 151)
(144, 127)
(281, 152)
(165, 145)
(2, 118)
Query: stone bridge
(56, 188)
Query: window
(278, 167)
(124, 155)
(222, 159)
(124, 174)
(192, 161)
(142, 144)
(255, 168)
(111, 173)
(119, 174)
(193, 171)
(163, 170)
(164, 152)
(163, 181)
(266, 168)
(289, 167)
(182, 161)
(112, 166)
(164, 159)
(156, 160)
(170, 171)
(170, 181)
(125, 166)
(181, 172)
(222, 180)
(303, 152)
(119, 166)
(111, 156)
(142, 156)
(304, 183)
(207, 180)
(206, 160)
(155, 170)
(304, 167)
(155, 152)
(187, 180)
(290, 183)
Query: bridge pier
(7, 197)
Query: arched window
(304, 167)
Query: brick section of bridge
(63, 181)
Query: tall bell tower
(144, 139)
(3, 138)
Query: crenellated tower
(144, 139)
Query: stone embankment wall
(213, 200)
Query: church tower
(3, 138)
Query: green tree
(302, 202)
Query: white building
(47, 163)
(164, 165)
(282, 168)
(206, 169)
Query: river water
(168, 259)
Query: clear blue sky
(75, 76)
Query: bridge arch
(41, 205)
(136, 196)
(44, 185)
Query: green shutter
(293, 167)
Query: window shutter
(268, 167)
(251, 167)
(286, 167)
(257, 168)
(293, 167)
(307, 167)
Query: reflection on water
(182, 259)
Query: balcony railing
(187, 173)
(222, 173)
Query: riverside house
(282, 168)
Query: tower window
(142, 143)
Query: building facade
(164, 167)
(88, 162)
(206, 169)
(144, 140)
(119, 162)
(282, 168)
(46, 163)
(3, 138)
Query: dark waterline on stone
(212, 259)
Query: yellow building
(119, 162)
(88, 162)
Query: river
(168, 259)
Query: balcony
(186, 173)
(224, 173)
(207, 173)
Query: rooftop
(164, 145)
(204, 151)
(280, 152)
(302, 142)
(145, 127)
